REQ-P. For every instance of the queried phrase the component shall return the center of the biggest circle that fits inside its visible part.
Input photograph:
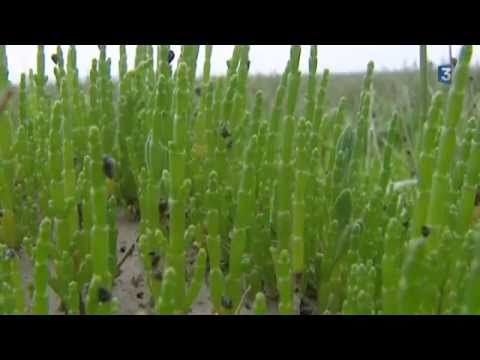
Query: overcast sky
(265, 59)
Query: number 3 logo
(445, 74)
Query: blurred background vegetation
(394, 91)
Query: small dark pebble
(311, 292)
(155, 260)
(63, 308)
(426, 231)
(55, 59)
(108, 166)
(123, 249)
(227, 302)
(158, 275)
(163, 206)
(104, 295)
(225, 132)
(171, 56)
(304, 309)
(140, 295)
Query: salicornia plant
(314, 193)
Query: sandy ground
(129, 287)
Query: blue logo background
(445, 74)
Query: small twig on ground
(242, 300)
(125, 257)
